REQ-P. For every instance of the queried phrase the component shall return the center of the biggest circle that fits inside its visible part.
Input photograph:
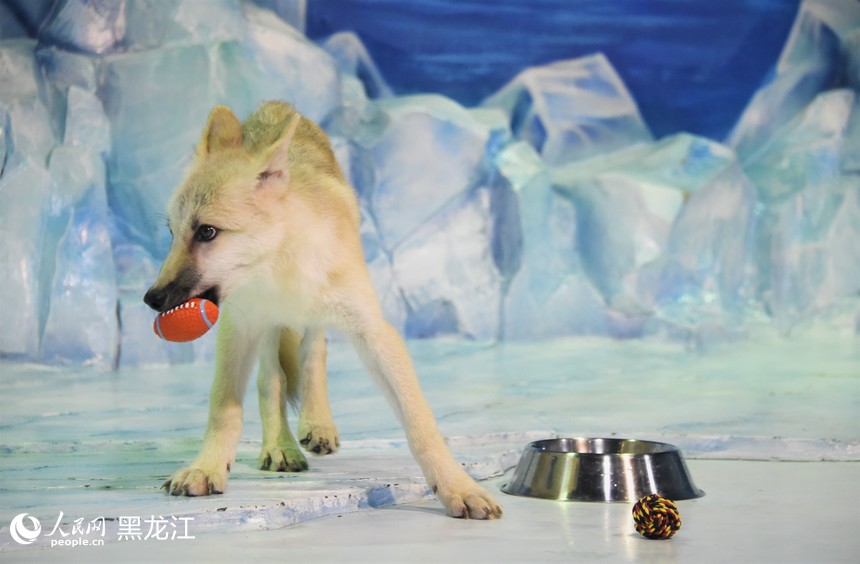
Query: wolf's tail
(288, 355)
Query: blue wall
(691, 65)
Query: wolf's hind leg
(281, 452)
(317, 431)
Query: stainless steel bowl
(601, 470)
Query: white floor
(770, 429)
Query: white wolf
(265, 225)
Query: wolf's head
(220, 216)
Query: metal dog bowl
(601, 470)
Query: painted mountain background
(526, 170)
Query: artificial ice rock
(381, 274)
(707, 268)
(86, 123)
(6, 146)
(446, 272)
(547, 211)
(549, 294)
(294, 12)
(626, 203)
(81, 325)
(293, 68)
(156, 102)
(429, 152)
(91, 26)
(851, 146)
(353, 60)
(807, 151)
(26, 192)
(800, 175)
(572, 110)
(29, 130)
(64, 69)
(809, 63)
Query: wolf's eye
(205, 233)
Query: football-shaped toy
(186, 322)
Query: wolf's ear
(223, 131)
(277, 160)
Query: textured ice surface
(626, 203)
(91, 26)
(26, 193)
(149, 156)
(382, 275)
(294, 12)
(571, 110)
(428, 152)
(292, 67)
(550, 294)
(707, 267)
(801, 255)
(82, 324)
(447, 274)
(30, 131)
(806, 153)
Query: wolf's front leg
(384, 353)
(235, 355)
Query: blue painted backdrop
(691, 65)
(555, 208)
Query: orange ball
(186, 322)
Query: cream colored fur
(287, 263)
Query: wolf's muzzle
(170, 296)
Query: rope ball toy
(656, 517)
(187, 321)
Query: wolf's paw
(319, 439)
(282, 458)
(468, 500)
(197, 480)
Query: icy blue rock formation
(428, 152)
(807, 153)
(816, 55)
(550, 294)
(446, 271)
(26, 192)
(572, 110)
(92, 27)
(800, 174)
(354, 60)
(626, 203)
(82, 324)
(706, 270)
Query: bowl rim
(649, 448)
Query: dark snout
(154, 298)
(166, 297)
(169, 296)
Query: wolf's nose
(154, 298)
